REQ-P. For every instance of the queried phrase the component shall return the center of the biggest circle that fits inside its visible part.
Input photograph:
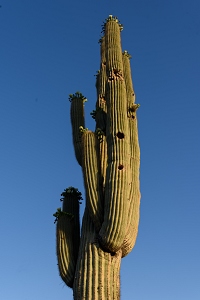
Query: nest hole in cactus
(120, 167)
(120, 135)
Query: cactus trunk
(110, 161)
(97, 271)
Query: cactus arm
(64, 249)
(71, 199)
(68, 234)
(77, 120)
(134, 196)
(92, 178)
(102, 77)
(128, 79)
(101, 107)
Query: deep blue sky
(49, 49)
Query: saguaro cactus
(110, 159)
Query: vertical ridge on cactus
(91, 173)
(110, 161)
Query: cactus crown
(110, 18)
(77, 95)
(72, 192)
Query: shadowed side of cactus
(68, 234)
(110, 161)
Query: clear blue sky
(49, 49)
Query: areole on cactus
(110, 160)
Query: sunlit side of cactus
(110, 160)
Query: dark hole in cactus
(120, 135)
(120, 167)
(133, 117)
(104, 63)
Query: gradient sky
(49, 49)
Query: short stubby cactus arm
(68, 234)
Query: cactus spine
(110, 160)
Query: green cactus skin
(110, 161)
(115, 210)
(65, 253)
(77, 120)
(92, 179)
(68, 235)
(97, 272)
(134, 196)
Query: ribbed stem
(103, 157)
(113, 46)
(101, 89)
(71, 206)
(128, 79)
(92, 178)
(101, 101)
(97, 272)
(134, 195)
(101, 115)
(65, 249)
(77, 120)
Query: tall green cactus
(110, 159)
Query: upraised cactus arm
(77, 119)
(68, 234)
(92, 178)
